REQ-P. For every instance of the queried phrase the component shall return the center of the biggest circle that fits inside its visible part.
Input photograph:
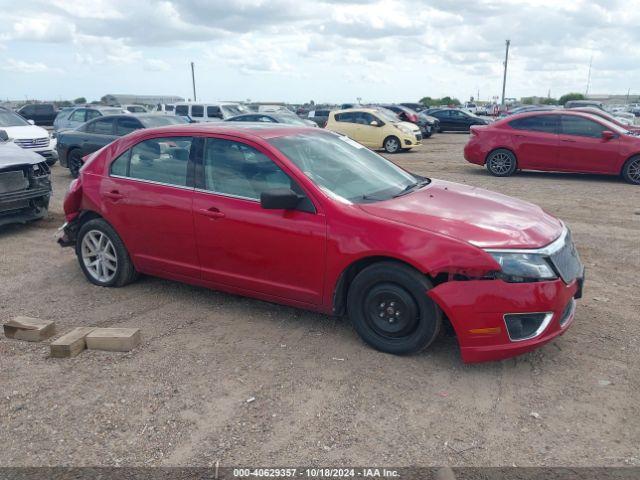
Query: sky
(321, 50)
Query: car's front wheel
(389, 308)
(74, 162)
(102, 255)
(391, 144)
(631, 170)
(502, 163)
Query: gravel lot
(321, 396)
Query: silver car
(75, 117)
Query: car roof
(249, 131)
(351, 110)
(572, 112)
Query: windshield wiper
(413, 187)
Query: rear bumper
(473, 153)
(476, 309)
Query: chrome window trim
(153, 182)
(543, 325)
(549, 250)
(228, 195)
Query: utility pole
(628, 92)
(504, 78)
(193, 80)
(589, 76)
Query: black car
(95, 134)
(454, 120)
(42, 114)
(272, 118)
(319, 117)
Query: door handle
(114, 195)
(212, 212)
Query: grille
(13, 181)
(32, 142)
(418, 136)
(567, 261)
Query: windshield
(162, 120)
(343, 168)
(387, 115)
(10, 119)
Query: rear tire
(501, 163)
(103, 258)
(392, 144)
(631, 170)
(389, 308)
(74, 161)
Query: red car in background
(308, 218)
(560, 141)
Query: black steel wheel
(389, 308)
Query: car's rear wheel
(631, 170)
(502, 163)
(391, 144)
(75, 162)
(389, 308)
(102, 255)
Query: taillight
(73, 200)
(413, 118)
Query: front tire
(391, 144)
(74, 162)
(102, 255)
(501, 163)
(389, 308)
(631, 170)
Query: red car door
(147, 198)
(583, 149)
(535, 141)
(278, 253)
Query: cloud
(20, 66)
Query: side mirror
(4, 136)
(279, 199)
(608, 135)
(374, 123)
(31, 122)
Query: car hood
(411, 126)
(12, 155)
(27, 131)
(474, 215)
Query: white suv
(28, 136)
(209, 112)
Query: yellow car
(375, 129)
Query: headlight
(403, 129)
(523, 267)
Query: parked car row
(25, 134)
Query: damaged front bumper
(25, 191)
(477, 311)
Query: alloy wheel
(633, 171)
(500, 163)
(391, 145)
(99, 256)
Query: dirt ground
(321, 396)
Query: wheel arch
(627, 160)
(384, 140)
(349, 273)
(509, 149)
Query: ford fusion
(312, 219)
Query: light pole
(504, 78)
(193, 80)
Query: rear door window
(93, 114)
(538, 123)
(102, 126)
(213, 111)
(125, 126)
(159, 160)
(78, 115)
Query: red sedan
(560, 141)
(308, 218)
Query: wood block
(71, 343)
(29, 329)
(113, 339)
